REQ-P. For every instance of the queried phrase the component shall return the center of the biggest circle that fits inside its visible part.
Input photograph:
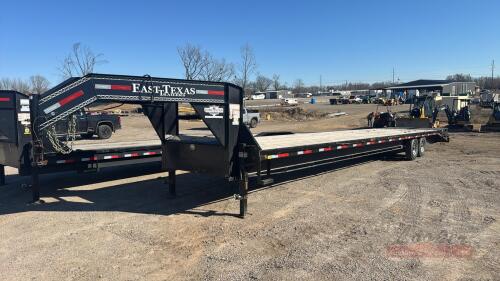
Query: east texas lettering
(163, 90)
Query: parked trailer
(232, 152)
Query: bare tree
(262, 83)
(298, 86)
(460, 77)
(80, 61)
(5, 83)
(216, 70)
(38, 84)
(15, 85)
(247, 67)
(276, 82)
(193, 60)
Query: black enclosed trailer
(27, 133)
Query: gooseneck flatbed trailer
(28, 142)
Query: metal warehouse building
(444, 87)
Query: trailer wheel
(253, 123)
(104, 132)
(421, 147)
(411, 149)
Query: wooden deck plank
(304, 139)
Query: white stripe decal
(202, 92)
(51, 108)
(103, 86)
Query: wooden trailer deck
(306, 139)
(275, 141)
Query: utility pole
(393, 75)
(320, 86)
(492, 72)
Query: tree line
(200, 64)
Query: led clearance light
(64, 101)
(5, 99)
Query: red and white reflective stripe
(210, 92)
(149, 153)
(370, 143)
(357, 145)
(381, 141)
(86, 159)
(64, 101)
(307, 151)
(128, 155)
(65, 161)
(4, 99)
(344, 146)
(280, 155)
(113, 87)
(107, 157)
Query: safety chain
(63, 147)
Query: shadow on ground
(119, 189)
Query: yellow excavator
(422, 114)
(493, 123)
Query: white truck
(251, 117)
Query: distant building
(276, 94)
(422, 87)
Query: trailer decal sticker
(63, 102)
(214, 111)
(234, 113)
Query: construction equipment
(231, 151)
(493, 123)
(458, 115)
(422, 113)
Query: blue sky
(339, 40)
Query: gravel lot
(436, 218)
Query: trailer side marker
(4, 99)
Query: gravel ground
(436, 218)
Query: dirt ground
(436, 218)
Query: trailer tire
(104, 132)
(253, 123)
(411, 149)
(422, 142)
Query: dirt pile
(294, 114)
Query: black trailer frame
(233, 152)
